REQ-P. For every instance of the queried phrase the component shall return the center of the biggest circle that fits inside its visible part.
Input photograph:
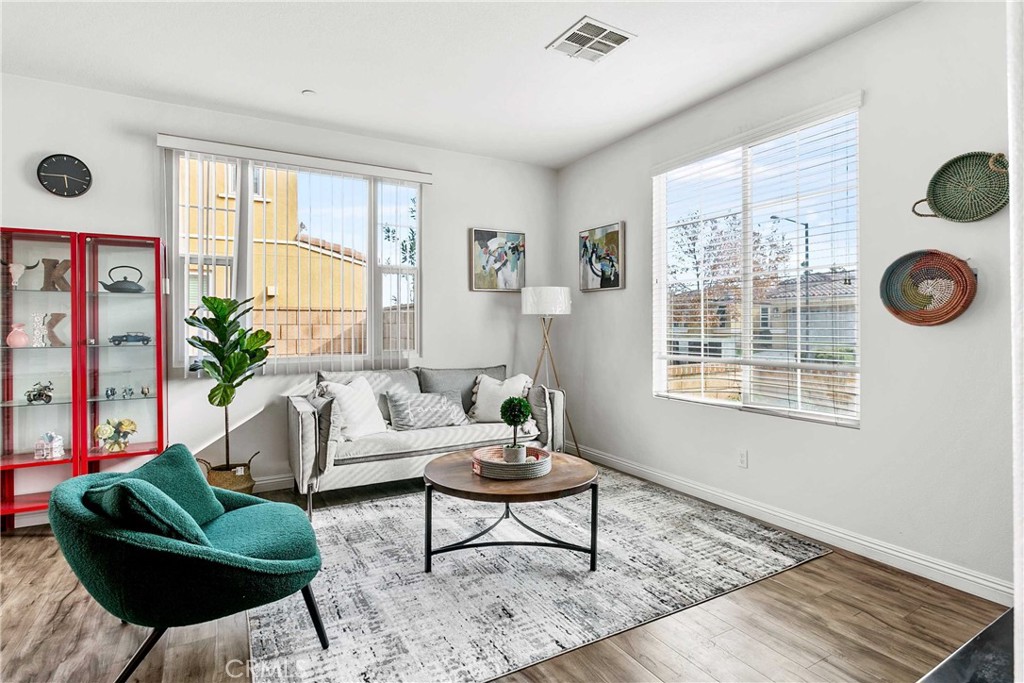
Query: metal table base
(548, 542)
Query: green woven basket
(968, 188)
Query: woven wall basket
(928, 287)
(968, 188)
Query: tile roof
(833, 284)
(327, 245)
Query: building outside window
(331, 260)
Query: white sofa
(321, 464)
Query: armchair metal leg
(314, 614)
(139, 655)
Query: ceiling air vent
(590, 39)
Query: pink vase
(18, 338)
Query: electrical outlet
(742, 461)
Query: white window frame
(661, 358)
(374, 354)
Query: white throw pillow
(490, 393)
(354, 411)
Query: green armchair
(125, 539)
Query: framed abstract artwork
(602, 258)
(497, 260)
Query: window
(257, 181)
(331, 259)
(756, 274)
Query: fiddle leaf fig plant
(233, 353)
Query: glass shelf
(119, 294)
(134, 449)
(25, 292)
(129, 345)
(22, 403)
(103, 399)
(20, 460)
(25, 502)
(33, 348)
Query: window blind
(756, 291)
(330, 259)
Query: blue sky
(336, 208)
(809, 176)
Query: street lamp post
(806, 264)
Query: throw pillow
(176, 473)
(138, 505)
(460, 379)
(490, 393)
(381, 381)
(422, 411)
(354, 411)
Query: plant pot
(236, 478)
(514, 454)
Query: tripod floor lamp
(548, 302)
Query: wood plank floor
(837, 618)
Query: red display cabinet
(81, 345)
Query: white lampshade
(546, 301)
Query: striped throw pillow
(422, 411)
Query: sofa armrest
(557, 439)
(302, 442)
(549, 410)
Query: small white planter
(514, 454)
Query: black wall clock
(64, 175)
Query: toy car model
(130, 337)
(40, 392)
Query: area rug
(486, 612)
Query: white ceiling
(472, 77)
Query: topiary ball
(515, 411)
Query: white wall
(928, 472)
(925, 482)
(116, 135)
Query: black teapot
(124, 285)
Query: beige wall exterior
(312, 298)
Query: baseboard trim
(976, 583)
(273, 483)
(31, 519)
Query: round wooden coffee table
(453, 475)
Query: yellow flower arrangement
(114, 434)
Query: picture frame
(601, 255)
(497, 260)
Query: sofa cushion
(354, 410)
(381, 381)
(422, 411)
(490, 393)
(138, 505)
(268, 531)
(395, 444)
(436, 381)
